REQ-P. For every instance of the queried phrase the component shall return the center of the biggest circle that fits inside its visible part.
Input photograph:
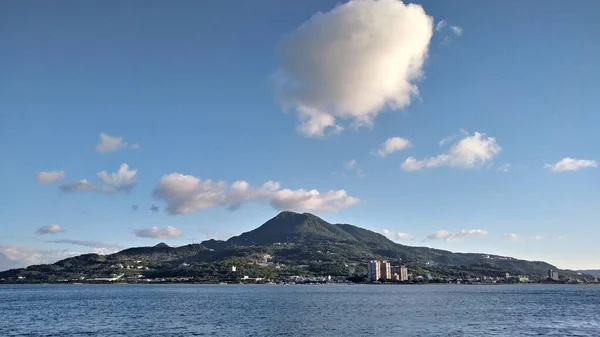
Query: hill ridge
(293, 239)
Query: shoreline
(297, 284)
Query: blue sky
(266, 92)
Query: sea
(299, 310)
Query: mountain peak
(162, 245)
(292, 214)
(292, 227)
(285, 214)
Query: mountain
(162, 245)
(358, 243)
(290, 227)
(302, 243)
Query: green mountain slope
(291, 239)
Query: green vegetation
(289, 244)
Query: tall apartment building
(383, 270)
(403, 273)
(386, 270)
(553, 274)
(374, 270)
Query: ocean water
(301, 310)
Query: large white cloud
(391, 145)
(185, 194)
(121, 181)
(570, 164)
(469, 152)
(449, 236)
(48, 177)
(158, 233)
(352, 62)
(49, 229)
(109, 143)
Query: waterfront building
(553, 274)
(386, 270)
(382, 270)
(374, 270)
(403, 273)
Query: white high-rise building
(386, 270)
(374, 270)
(553, 274)
(403, 273)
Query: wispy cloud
(440, 25)
(354, 167)
(403, 236)
(49, 229)
(79, 186)
(521, 238)
(14, 256)
(447, 140)
(158, 233)
(48, 177)
(447, 38)
(399, 236)
(391, 145)
(446, 41)
(457, 30)
(504, 168)
(570, 164)
(217, 235)
(449, 236)
(86, 243)
(109, 143)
